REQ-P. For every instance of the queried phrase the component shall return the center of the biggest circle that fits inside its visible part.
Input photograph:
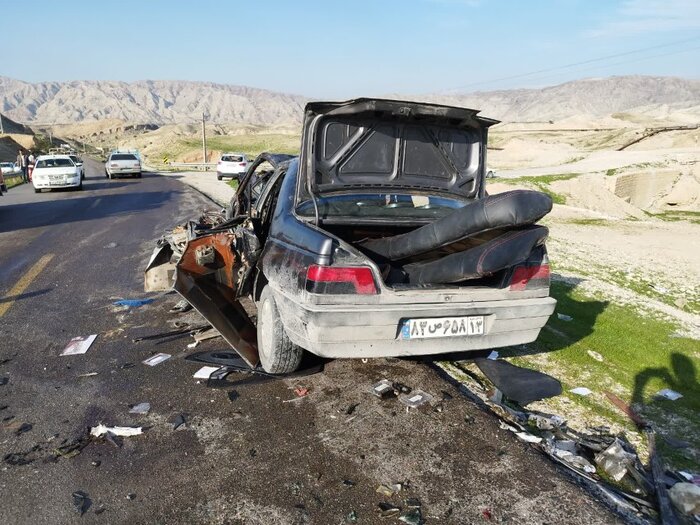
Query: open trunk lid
(390, 145)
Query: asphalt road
(251, 453)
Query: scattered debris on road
(416, 399)
(178, 421)
(180, 307)
(205, 372)
(140, 408)
(156, 359)
(101, 430)
(81, 501)
(132, 303)
(79, 345)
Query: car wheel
(79, 187)
(138, 175)
(37, 190)
(278, 355)
(219, 177)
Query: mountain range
(163, 102)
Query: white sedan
(56, 171)
(9, 168)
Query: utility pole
(2, 130)
(204, 141)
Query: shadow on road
(27, 295)
(27, 215)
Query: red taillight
(529, 276)
(330, 279)
(242, 164)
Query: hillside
(168, 102)
(157, 102)
(589, 97)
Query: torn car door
(207, 276)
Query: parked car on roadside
(56, 171)
(231, 165)
(9, 168)
(122, 163)
(378, 240)
(79, 163)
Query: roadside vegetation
(11, 182)
(542, 183)
(612, 348)
(250, 144)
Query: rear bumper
(69, 183)
(373, 330)
(237, 175)
(124, 171)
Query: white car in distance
(9, 168)
(56, 171)
(233, 165)
(120, 163)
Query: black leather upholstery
(512, 247)
(511, 209)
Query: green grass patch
(611, 172)
(13, 181)
(589, 222)
(251, 144)
(641, 355)
(542, 183)
(678, 215)
(233, 183)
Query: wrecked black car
(378, 240)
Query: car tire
(79, 187)
(219, 177)
(138, 175)
(37, 190)
(278, 355)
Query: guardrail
(8, 178)
(204, 166)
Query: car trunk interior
(392, 273)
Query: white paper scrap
(493, 355)
(156, 359)
(79, 345)
(667, 393)
(581, 391)
(141, 408)
(101, 430)
(205, 372)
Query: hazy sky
(346, 48)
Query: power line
(574, 64)
(639, 59)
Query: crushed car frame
(377, 240)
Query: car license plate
(442, 327)
(56, 178)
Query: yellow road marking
(25, 281)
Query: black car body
(378, 240)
